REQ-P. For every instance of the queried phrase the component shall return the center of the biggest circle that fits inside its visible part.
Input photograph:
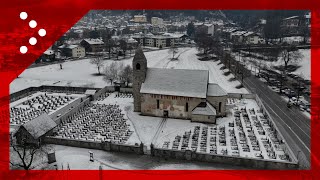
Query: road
(293, 125)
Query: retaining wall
(106, 146)
(213, 158)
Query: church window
(158, 104)
(187, 108)
(138, 66)
(219, 106)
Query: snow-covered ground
(208, 137)
(304, 69)
(82, 73)
(78, 158)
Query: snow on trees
(111, 72)
(117, 71)
(98, 63)
(126, 74)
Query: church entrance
(165, 113)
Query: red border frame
(57, 16)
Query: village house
(74, 51)
(139, 19)
(251, 38)
(33, 131)
(176, 93)
(160, 41)
(92, 45)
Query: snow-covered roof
(90, 92)
(131, 40)
(39, 125)
(176, 82)
(71, 46)
(238, 33)
(208, 110)
(48, 52)
(94, 41)
(175, 35)
(215, 90)
(292, 17)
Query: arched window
(219, 106)
(138, 66)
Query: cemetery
(245, 133)
(28, 108)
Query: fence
(232, 160)
(106, 146)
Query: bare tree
(28, 156)
(98, 63)
(123, 46)
(290, 56)
(126, 74)
(111, 72)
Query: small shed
(205, 113)
(33, 131)
(90, 93)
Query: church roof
(207, 110)
(176, 82)
(215, 90)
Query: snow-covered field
(304, 69)
(82, 73)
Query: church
(176, 93)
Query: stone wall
(173, 104)
(106, 146)
(203, 118)
(126, 90)
(103, 90)
(213, 158)
(69, 112)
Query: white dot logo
(33, 24)
(23, 15)
(23, 49)
(42, 32)
(33, 41)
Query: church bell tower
(139, 66)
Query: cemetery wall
(104, 90)
(239, 95)
(23, 93)
(106, 146)
(126, 90)
(232, 160)
(75, 107)
(31, 90)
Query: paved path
(294, 126)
